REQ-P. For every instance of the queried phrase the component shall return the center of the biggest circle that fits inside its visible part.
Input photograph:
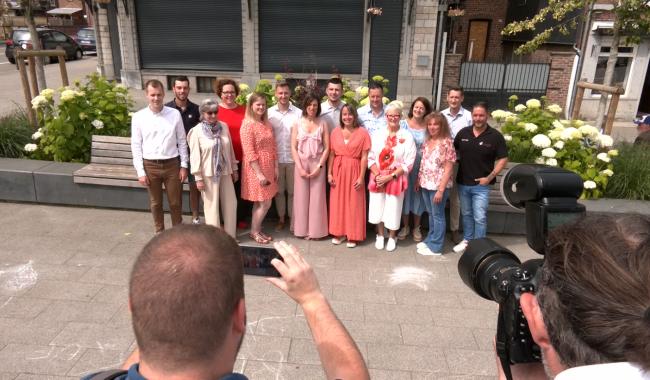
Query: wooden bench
(111, 164)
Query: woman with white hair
(390, 159)
(213, 164)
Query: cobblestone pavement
(63, 303)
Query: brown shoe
(280, 226)
(456, 237)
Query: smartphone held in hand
(257, 260)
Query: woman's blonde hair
(250, 115)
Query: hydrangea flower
(30, 147)
(555, 134)
(533, 103)
(511, 118)
(507, 137)
(37, 135)
(97, 124)
(278, 77)
(243, 87)
(362, 91)
(605, 141)
(607, 172)
(38, 101)
(68, 95)
(541, 141)
(588, 130)
(520, 108)
(551, 162)
(48, 93)
(548, 152)
(554, 108)
(558, 124)
(570, 134)
(499, 114)
(559, 145)
(530, 127)
(603, 157)
(540, 160)
(385, 100)
(589, 185)
(612, 152)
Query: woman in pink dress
(347, 166)
(310, 149)
(260, 164)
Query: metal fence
(495, 82)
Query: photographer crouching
(590, 314)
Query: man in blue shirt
(371, 116)
(186, 296)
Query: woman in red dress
(347, 165)
(232, 114)
(259, 164)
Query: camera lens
(484, 266)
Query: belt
(166, 160)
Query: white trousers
(385, 208)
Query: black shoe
(456, 237)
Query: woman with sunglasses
(214, 166)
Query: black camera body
(549, 196)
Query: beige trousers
(285, 183)
(222, 194)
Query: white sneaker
(460, 247)
(404, 232)
(428, 252)
(337, 241)
(391, 245)
(196, 221)
(421, 245)
(351, 244)
(379, 242)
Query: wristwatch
(394, 175)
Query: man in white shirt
(458, 118)
(159, 149)
(331, 108)
(282, 116)
(371, 116)
(590, 315)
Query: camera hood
(532, 182)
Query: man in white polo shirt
(331, 108)
(458, 118)
(159, 149)
(282, 116)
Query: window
(59, 37)
(621, 68)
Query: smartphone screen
(257, 260)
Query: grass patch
(631, 179)
(15, 132)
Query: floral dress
(258, 144)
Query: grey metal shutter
(311, 36)
(385, 42)
(190, 34)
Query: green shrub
(631, 179)
(15, 132)
(96, 107)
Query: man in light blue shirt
(458, 118)
(331, 108)
(371, 116)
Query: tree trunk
(36, 45)
(609, 74)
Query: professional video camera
(549, 196)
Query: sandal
(258, 238)
(265, 236)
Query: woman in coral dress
(310, 149)
(260, 164)
(347, 166)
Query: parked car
(85, 37)
(50, 40)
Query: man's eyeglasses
(211, 112)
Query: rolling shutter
(190, 34)
(311, 36)
(385, 42)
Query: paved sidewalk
(63, 303)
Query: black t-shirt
(477, 154)
(190, 116)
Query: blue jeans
(473, 208)
(437, 224)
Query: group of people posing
(318, 161)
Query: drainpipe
(584, 35)
(439, 52)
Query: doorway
(477, 40)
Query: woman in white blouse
(213, 164)
(390, 159)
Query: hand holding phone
(298, 279)
(257, 260)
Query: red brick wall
(493, 10)
(450, 76)
(559, 77)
